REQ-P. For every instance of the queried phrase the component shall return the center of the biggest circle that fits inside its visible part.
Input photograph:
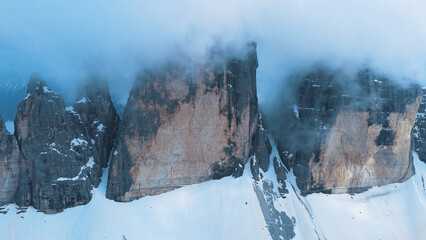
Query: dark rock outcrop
(9, 165)
(347, 134)
(281, 173)
(96, 116)
(59, 159)
(183, 126)
(419, 130)
(260, 152)
(279, 224)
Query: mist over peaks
(68, 42)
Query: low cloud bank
(68, 42)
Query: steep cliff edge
(348, 134)
(419, 130)
(96, 116)
(61, 163)
(9, 165)
(183, 126)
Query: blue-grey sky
(66, 41)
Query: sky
(68, 41)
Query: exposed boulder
(183, 126)
(348, 134)
(59, 159)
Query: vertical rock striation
(349, 134)
(260, 152)
(419, 130)
(60, 161)
(9, 165)
(183, 126)
(96, 116)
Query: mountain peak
(36, 84)
(93, 88)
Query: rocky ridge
(184, 125)
(57, 154)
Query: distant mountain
(12, 91)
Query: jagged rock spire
(59, 158)
(36, 84)
(95, 113)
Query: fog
(68, 41)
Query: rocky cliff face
(96, 116)
(183, 126)
(9, 165)
(260, 151)
(419, 130)
(61, 161)
(347, 135)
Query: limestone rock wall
(419, 130)
(260, 153)
(96, 116)
(9, 165)
(347, 134)
(185, 126)
(61, 162)
(351, 160)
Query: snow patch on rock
(89, 164)
(83, 100)
(101, 128)
(79, 142)
(10, 126)
(46, 89)
(220, 209)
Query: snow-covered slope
(395, 211)
(230, 209)
(223, 209)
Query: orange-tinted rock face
(351, 159)
(183, 127)
(348, 133)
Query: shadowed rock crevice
(10, 172)
(260, 152)
(419, 130)
(95, 114)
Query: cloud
(66, 41)
(387, 35)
